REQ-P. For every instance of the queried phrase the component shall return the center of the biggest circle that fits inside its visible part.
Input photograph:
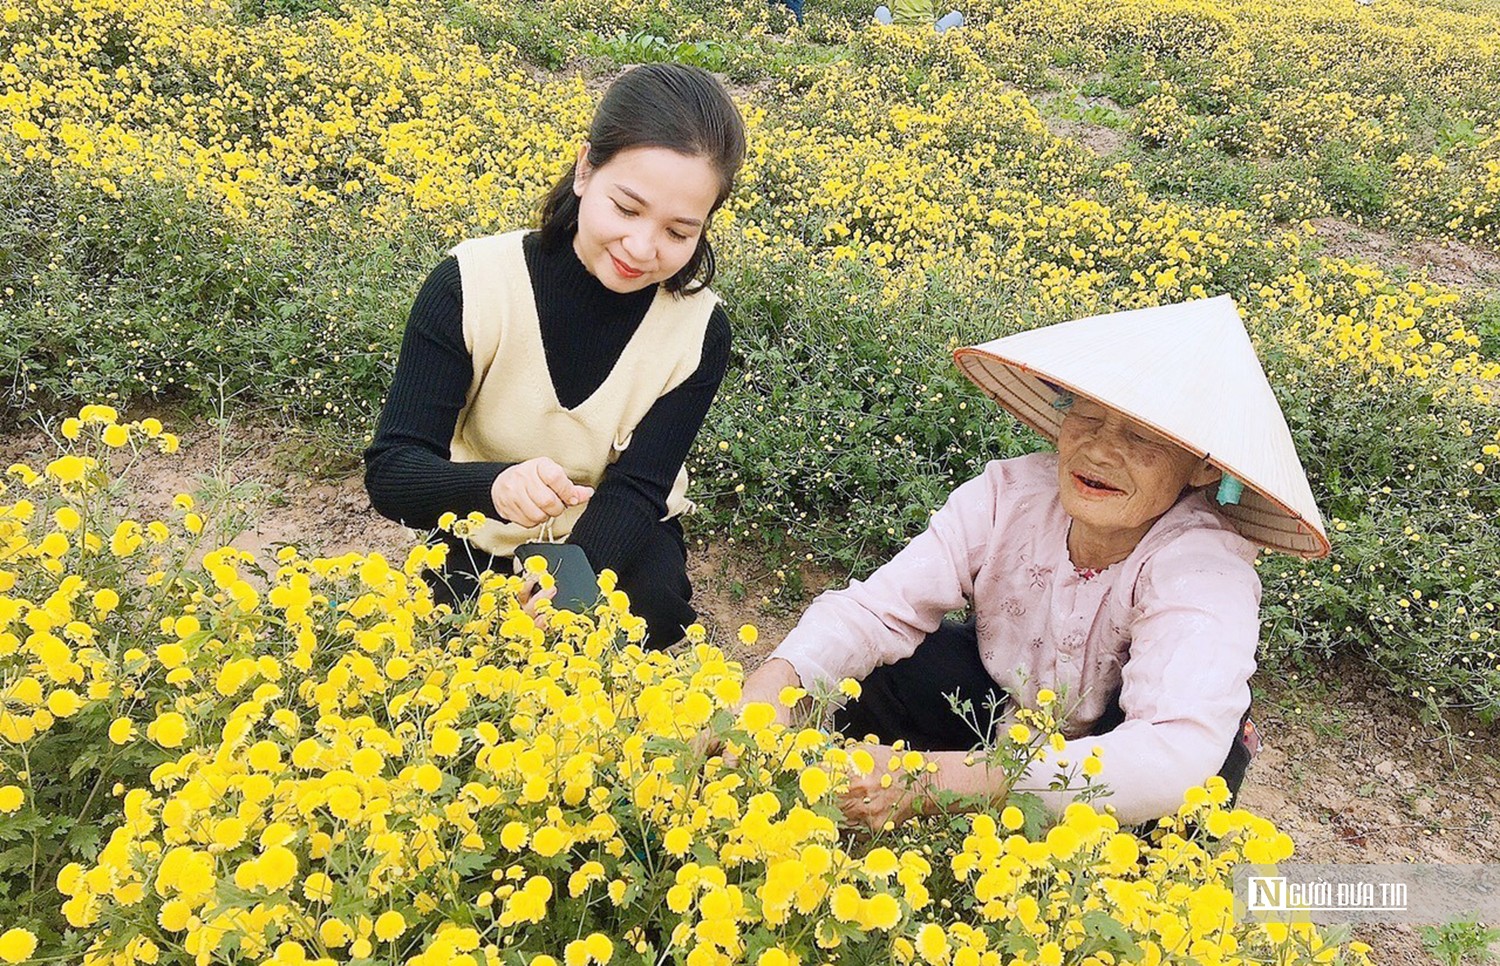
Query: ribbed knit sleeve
(408, 472)
(632, 497)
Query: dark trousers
(655, 579)
(909, 700)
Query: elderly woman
(1112, 571)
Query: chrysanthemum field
(211, 205)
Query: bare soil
(1347, 769)
(1446, 261)
(1100, 139)
(1097, 138)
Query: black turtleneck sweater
(408, 471)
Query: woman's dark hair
(658, 106)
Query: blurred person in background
(795, 6)
(917, 13)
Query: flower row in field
(911, 162)
(1381, 101)
(254, 117)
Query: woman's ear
(581, 169)
(1205, 474)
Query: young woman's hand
(533, 492)
(531, 597)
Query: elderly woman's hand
(946, 781)
(881, 796)
(764, 686)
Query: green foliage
(1126, 79)
(1462, 131)
(1358, 186)
(1486, 321)
(250, 11)
(160, 296)
(1463, 941)
(1100, 114)
(1414, 578)
(839, 432)
(648, 48)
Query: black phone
(577, 584)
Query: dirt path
(1347, 769)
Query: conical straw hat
(1187, 371)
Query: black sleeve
(632, 496)
(408, 471)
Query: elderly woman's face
(1117, 477)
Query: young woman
(554, 380)
(1112, 571)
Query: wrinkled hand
(872, 802)
(533, 492)
(707, 743)
(762, 686)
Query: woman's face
(640, 215)
(1117, 476)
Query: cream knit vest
(511, 413)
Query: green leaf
(1101, 925)
(1038, 816)
(84, 839)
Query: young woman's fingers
(535, 597)
(535, 491)
(509, 495)
(556, 479)
(544, 498)
(706, 743)
(517, 513)
(523, 510)
(531, 598)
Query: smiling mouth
(626, 270)
(1095, 485)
